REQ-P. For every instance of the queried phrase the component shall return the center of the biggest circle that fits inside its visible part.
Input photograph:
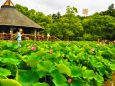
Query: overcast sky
(53, 6)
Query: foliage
(71, 26)
(68, 26)
(99, 27)
(9, 82)
(38, 17)
(110, 11)
(57, 63)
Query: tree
(111, 7)
(110, 11)
(67, 26)
(22, 9)
(38, 17)
(99, 26)
(70, 26)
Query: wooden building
(11, 20)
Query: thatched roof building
(11, 18)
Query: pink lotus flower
(51, 51)
(69, 80)
(33, 48)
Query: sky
(54, 6)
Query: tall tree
(38, 17)
(99, 26)
(110, 11)
(68, 26)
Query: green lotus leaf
(4, 72)
(9, 82)
(59, 79)
(99, 78)
(9, 45)
(78, 83)
(45, 66)
(40, 84)
(62, 68)
(88, 74)
(27, 77)
(75, 71)
(112, 65)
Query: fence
(8, 36)
(110, 83)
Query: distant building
(85, 12)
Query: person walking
(19, 38)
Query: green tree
(38, 17)
(68, 26)
(110, 11)
(99, 26)
(22, 9)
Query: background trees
(71, 26)
(68, 26)
(99, 26)
(110, 11)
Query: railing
(110, 82)
(8, 36)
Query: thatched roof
(9, 16)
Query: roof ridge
(8, 3)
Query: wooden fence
(8, 36)
(110, 82)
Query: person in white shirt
(48, 36)
(19, 38)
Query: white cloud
(53, 6)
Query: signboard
(85, 12)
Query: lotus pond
(58, 63)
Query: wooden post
(35, 31)
(113, 78)
(11, 33)
(3, 36)
(38, 35)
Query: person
(11, 35)
(48, 36)
(19, 38)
